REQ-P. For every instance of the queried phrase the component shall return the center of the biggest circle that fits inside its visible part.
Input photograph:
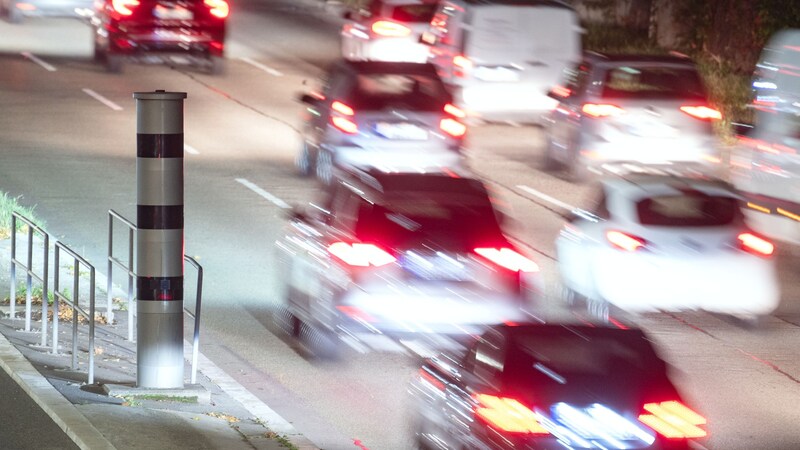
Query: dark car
(622, 110)
(393, 115)
(403, 256)
(192, 29)
(552, 386)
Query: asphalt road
(67, 146)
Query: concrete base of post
(191, 393)
(159, 334)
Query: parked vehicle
(552, 386)
(765, 165)
(128, 29)
(642, 110)
(15, 11)
(396, 116)
(403, 256)
(387, 30)
(662, 243)
(500, 58)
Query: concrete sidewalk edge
(61, 410)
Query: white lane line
(267, 69)
(38, 61)
(102, 99)
(190, 149)
(547, 198)
(253, 187)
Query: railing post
(45, 299)
(75, 298)
(109, 284)
(13, 274)
(131, 301)
(56, 309)
(91, 325)
(29, 281)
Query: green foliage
(9, 205)
(618, 39)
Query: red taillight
(702, 112)
(453, 127)
(124, 7)
(673, 420)
(430, 379)
(507, 414)
(344, 124)
(625, 241)
(454, 111)
(361, 255)
(390, 29)
(753, 244)
(508, 258)
(218, 8)
(461, 65)
(602, 110)
(342, 108)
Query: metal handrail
(128, 268)
(77, 260)
(196, 315)
(31, 275)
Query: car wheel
(550, 163)
(571, 298)
(114, 63)
(286, 321)
(325, 167)
(305, 161)
(578, 172)
(599, 309)
(322, 344)
(218, 65)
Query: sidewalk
(215, 413)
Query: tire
(325, 167)
(599, 309)
(217, 65)
(549, 162)
(114, 63)
(578, 173)
(572, 299)
(305, 162)
(321, 343)
(286, 321)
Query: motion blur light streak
(625, 241)
(362, 255)
(673, 420)
(602, 110)
(509, 259)
(755, 244)
(508, 414)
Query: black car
(393, 115)
(401, 256)
(552, 386)
(195, 29)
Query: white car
(387, 30)
(661, 243)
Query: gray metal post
(109, 268)
(159, 246)
(13, 296)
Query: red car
(132, 29)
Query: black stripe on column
(159, 288)
(159, 145)
(159, 217)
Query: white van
(765, 165)
(502, 57)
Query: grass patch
(9, 205)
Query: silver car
(641, 110)
(14, 11)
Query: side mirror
(742, 129)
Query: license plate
(406, 131)
(496, 74)
(177, 12)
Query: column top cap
(159, 95)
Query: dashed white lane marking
(38, 61)
(253, 187)
(102, 99)
(267, 69)
(190, 149)
(546, 197)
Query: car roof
(386, 67)
(622, 58)
(638, 186)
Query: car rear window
(414, 13)
(450, 220)
(418, 92)
(653, 82)
(692, 209)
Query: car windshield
(452, 221)
(414, 13)
(690, 209)
(416, 92)
(653, 82)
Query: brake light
(124, 7)
(361, 255)
(390, 29)
(509, 259)
(702, 112)
(507, 414)
(345, 124)
(219, 8)
(625, 241)
(461, 65)
(454, 111)
(673, 420)
(602, 110)
(753, 244)
(342, 108)
(453, 127)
